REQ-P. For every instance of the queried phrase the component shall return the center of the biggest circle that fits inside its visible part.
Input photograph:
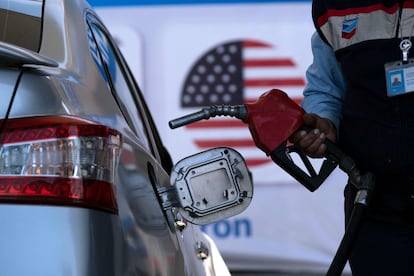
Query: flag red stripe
(274, 82)
(217, 123)
(268, 62)
(297, 100)
(255, 44)
(225, 142)
(252, 162)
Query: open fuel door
(210, 186)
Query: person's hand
(312, 142)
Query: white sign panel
(188, 56)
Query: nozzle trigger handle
(310, 179)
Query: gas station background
(286, 227)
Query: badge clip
(405, 46)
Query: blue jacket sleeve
(325, 88)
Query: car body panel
(142, 238)
(43, 240)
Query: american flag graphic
(235, 73)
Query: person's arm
(323, 98)
(325, 89)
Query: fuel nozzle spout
(272, 118)
(237, 111)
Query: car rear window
(21, 23)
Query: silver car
(86, 185)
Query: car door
(154, 249)
(144, 171)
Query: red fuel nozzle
(272, 119)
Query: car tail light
(58, 161)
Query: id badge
(399, 77)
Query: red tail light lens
(59, 161)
